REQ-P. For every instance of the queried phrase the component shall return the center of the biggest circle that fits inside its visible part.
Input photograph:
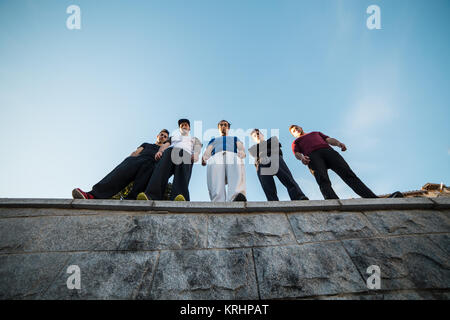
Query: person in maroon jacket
(313, 149)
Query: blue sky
(75, 103)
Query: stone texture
(323, 226)
(409, 262)
(441, 202)
(109, 204)
(35, 203)
(70, 233)
(306, 270)
(408, 222)
(442, 241)
(26, 276)
(205, 274)
(154, 232)
(105, 275)
(386, 204)
(292, 206)
(228, 231)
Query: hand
(305, 160)
(158, 155)
(194, 158)
(241, 154)
(343, 147)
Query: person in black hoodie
(269, 163)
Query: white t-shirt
(186, 143)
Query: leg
(319, 168)
(268, 185)
(215, 176)
(141, 180)
(286, 178)
(161, 174)
(342, 169)
(117, 179)
(182, 176)
(235, 175)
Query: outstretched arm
(337, 143)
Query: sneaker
(396, 194)
(142, 196)
(304, 198)
(77, 193)
(180, 197)
(240, 197)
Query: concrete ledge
(232, 207)
(386, 204)
(441, 202)
(35, 203)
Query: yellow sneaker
(179, 197)
(142, 196)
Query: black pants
(164, 169)
(285, 176)
(138, 169)
(327, 158)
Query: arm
(136, 152)
(197, 148)
(304, 159)
(158, 155)
(207, 154)
(336, 143)
(241, 149)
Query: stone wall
(203, 250)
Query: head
(224, 127)
(185, 126)
(296, 131)
(162, 136)
(257, 135)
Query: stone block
(246, 230)
(306, 270)
(205, 275)
(323, 226)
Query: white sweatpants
(225, 168)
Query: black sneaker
(396, 194)
(240, 197)
(304, 198)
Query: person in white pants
(224, 156)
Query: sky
(75, 102)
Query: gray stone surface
(408, 262)
(199, 207)
(69, 233)
(292, 206)
(35, 203)
(238, 230)
(27, 276)
(441, 202)
(441, 240)
(306, 270)
(110, 204)
(205, 274)
(386, 204)
(408, 222)
(323, 226)
(105, 275)
(152, 232)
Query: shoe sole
(179, 198)
(76, 194)
(141, 196)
